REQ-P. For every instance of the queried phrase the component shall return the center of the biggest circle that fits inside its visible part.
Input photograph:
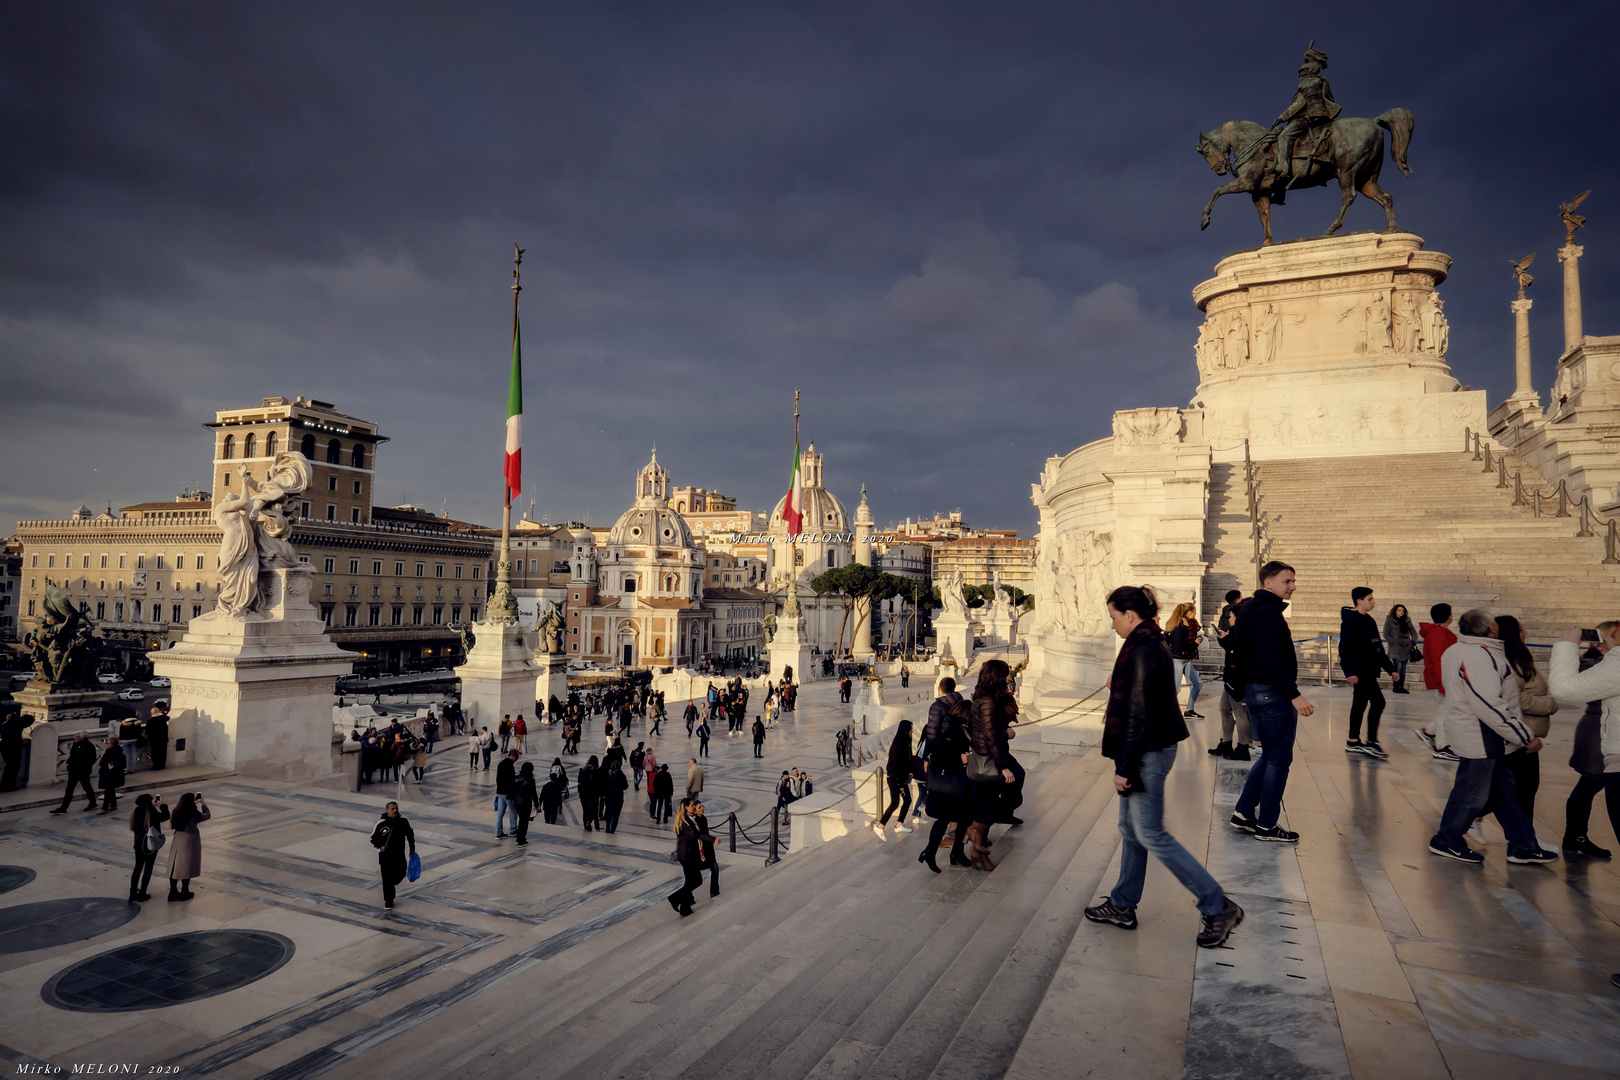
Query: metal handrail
(1475, 442)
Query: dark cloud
(966, 233)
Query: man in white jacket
(1483, 724)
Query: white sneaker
(1550, 848)
(881, 835)
(901, 828)
(1477, 832)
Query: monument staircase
(1419, 529)
(847, 960)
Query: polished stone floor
(1361, 954)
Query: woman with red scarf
(1142, 726)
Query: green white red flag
(514, 416)
(793, 508)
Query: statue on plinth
(256, 525)
(1309, 145)
(1520, 272)
(61, 641)
(550, 628)
(1572, 220)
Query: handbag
(413, 868)
(951, 784)
(155, 839)
(981, 768)
(1416, 654)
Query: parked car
(106, 678)
(132, 693)
(159, 681)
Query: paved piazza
(1361, 955)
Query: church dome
(822, 512)
(650, 525)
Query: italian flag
(793, 508)
(514, 417)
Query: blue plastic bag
(413, 869)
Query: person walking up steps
(1483, 723)
(897, 770)
(1594, 678)
(1141, 728)
(1361, 657)
(1269, 669)
(1234, 744)
(1437, 638)
(1184, 633)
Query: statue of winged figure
(550, 628)
(60, 642)
(1520, 271)
(1572, 220)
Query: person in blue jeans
(1270, 673)
(1141, 728)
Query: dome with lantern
(822, 512)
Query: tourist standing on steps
(390, 837)
(1597, 737)
(613, 788)
(897, 770)
(994, 713)
(1437, 638)
(841, 745)
(504, 728)
(551, 797)
(146, 823)
(1269, 669)
(1483, 724)
(157, 737)
(110, 776)
(1141, 727)
(81, 762)
(1361, 657)
(950, 799)
(1400, 638)
(1184, 634)
(186, 860)
(663, 787)
(505, 788)
(1536, 705)
(704, 734)
(487, 747)
(689, 853)
(589, 786)
(11, 747)
(701, 819)
(520, 733)
(759, 738)
(1234, 744)
(525, 800)
(419, 751)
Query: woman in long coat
(950, 796)
(186, 862)
(110, 776)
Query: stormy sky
(967, 232)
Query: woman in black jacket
(145, 822)
(994, 713)
(111, 775)
(897, 770)
(689, 841)
(614, 785)
(949, 792)
(1141, 728)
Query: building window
(458, 570)
(398, 616)
(357, 487)
(399, 569)
(134, 611)
(248, 445)
(326, 614)
(534, 564)
(160, 565)
(140, 562)
(354, 590)
(421, 569)
(438, 616)
(306, 446)
(229, 450)
(350, 613)
(199, 564)
(354, 566)
(118, 611)
(34, 561)
(331, 483)
(334, 452)
(629, 583)
(196, 611)
(50, 562)
(438, 570)
(714, 579)
(271, 445)
(472, 613)
(303, 509)
(327, 564)
(416, 616)
(475, 572)
(376, 567)
(174, 614)
(455, 613)
(354, 514)
(104, 562)
(327, 589)
(832, 559)
(376, 615)
(101, 611)
(358, 459)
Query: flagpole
(502, 605)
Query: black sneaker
(1220, 749)
(1124, 918)
(1354, 747)
(1446, 753)
(1276, 834)
(1189, 714)
(1372, 749)
(1462, 853)
(1614, 980)
(1219, 926)
(1240, 752)
(1427, 736)
(1247, 824)
(1532, 857)
(60, 810)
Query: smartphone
(1589, 635)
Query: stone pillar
(1524, 389)
(41, 746)
(789, 647)
(551, 680)
(1570, 256)
(499, 676)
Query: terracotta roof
(734, 594)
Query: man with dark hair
(1437, 638)
(1482, 715)
(1361, 656)
(1234, 744)
(941, 709)
(1269, 669)
(157, 736)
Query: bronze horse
(1351, 151)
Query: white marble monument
(789, 646)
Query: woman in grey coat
(187, 860)
(1400, 638)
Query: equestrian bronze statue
(1309, 145)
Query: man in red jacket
(1437, 638)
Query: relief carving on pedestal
(1072, 579)
(1133, 427)
(1408, 328)
(1436, 332)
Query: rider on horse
(1313, 108)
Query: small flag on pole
(793, 508)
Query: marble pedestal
(790, 649)
(500, 676)
(953, 636)
(552, 678)
(66, 710)
(256, 691)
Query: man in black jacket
(505, 789)
(157, 737)
(1270, 671)
(1361, 656)
(81, 762)
(11, 748)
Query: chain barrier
(1474, 442)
